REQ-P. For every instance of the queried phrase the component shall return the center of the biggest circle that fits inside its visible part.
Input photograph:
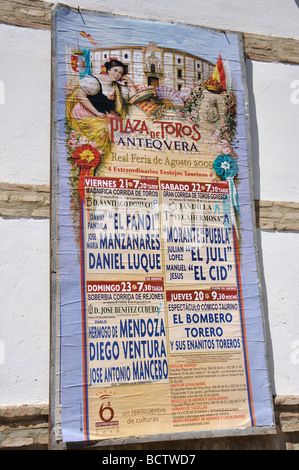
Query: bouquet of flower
(224, 137)
(192, 98)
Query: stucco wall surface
(24, 320)
(25, 114)
(274, 18)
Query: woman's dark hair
(116, 63)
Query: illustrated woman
(103, 94)
(98, 98)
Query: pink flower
(140, 87)
(226, 136)
(83, 140)
(217, 134)
(72, 143)
(185, 93)
(73, 135)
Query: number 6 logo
(106, 409)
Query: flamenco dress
(86, 124)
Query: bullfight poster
(156, 305)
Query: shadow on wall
(254, 135)
(267, 332)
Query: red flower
(87, 156)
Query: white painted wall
(25, 116)
(272, 17)
(24, 319)
(24, 157)
(279, 258)
(274, 110)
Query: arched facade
(154, 65)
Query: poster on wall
(157, 322)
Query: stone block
(17, 442)
(289, 422)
